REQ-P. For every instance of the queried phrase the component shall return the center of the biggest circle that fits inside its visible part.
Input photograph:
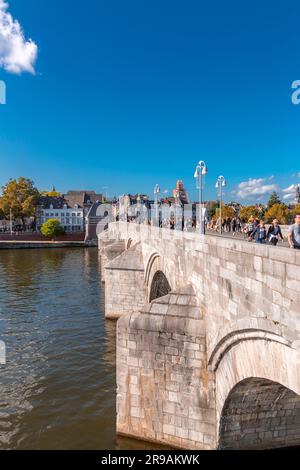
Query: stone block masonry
(260, 415)
(125, 290)
(109, 250)
(214, 364)
(165, 392)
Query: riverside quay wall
(208, 338)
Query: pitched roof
(44, 202)
(82, 198)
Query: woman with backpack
(259, 233)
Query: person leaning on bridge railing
(294, 234)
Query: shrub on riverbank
(52, 229)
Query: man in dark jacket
(274, 233)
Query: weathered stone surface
(125, 291)
(179, 385)
(233, 313)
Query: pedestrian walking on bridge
(294, 234)
(274, 233)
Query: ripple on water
(57, 390)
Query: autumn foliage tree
(296, 210)
(227, 211)
(247, 211)
(19, 198)
(278, 211)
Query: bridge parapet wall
(234, 280)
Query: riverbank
(23, 245)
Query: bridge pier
(165, 392)
(109, 250)
(125, 290)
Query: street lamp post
(156, 196)
(220, 184)
(138, 210)
(10, 222)
(201, 170)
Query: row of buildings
(79, 211)
(71, 209)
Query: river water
(57, 389)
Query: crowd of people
(256, 230)
(230, 225)
(253, 230)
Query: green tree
(274, 199)
(19, 197)
(52, 229)
(297, 196)
(211, 208)
(247, 211)
(278, 211)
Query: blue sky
(129, 94)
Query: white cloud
(17, 54)
(290, 192)
(255, 188)
(289, 196)
(291, 188)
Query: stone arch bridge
(208, 338)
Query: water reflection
(57, 390)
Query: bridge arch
(157, 281)
(159, 286)
(260, 414)
(154, 259)
(257, 382)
